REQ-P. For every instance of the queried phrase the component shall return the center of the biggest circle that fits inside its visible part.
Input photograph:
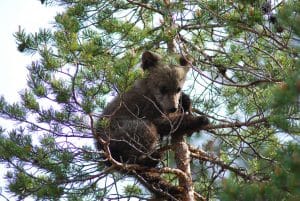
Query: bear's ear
(185, 62)
(150, 59)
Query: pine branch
(146, 6)
(203, 156)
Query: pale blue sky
(30, 15)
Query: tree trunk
(182, 158)
(179, 146)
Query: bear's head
(164, 80)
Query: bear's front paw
(202, 121)
(186, 103)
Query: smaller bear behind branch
(154, 107)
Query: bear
(154, 107)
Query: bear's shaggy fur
(152, 108)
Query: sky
(30, 15)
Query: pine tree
(245, 78)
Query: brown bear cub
(154, 107)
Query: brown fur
(151, 109)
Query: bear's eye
(178, 90)
(163, 90)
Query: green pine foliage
(245, 77)
(283, 183)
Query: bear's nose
(174, 109)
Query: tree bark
(182, 158)
(179, 145)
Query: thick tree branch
(203, 156)
(182, 158)
(236, 124)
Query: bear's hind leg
(134, 141)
